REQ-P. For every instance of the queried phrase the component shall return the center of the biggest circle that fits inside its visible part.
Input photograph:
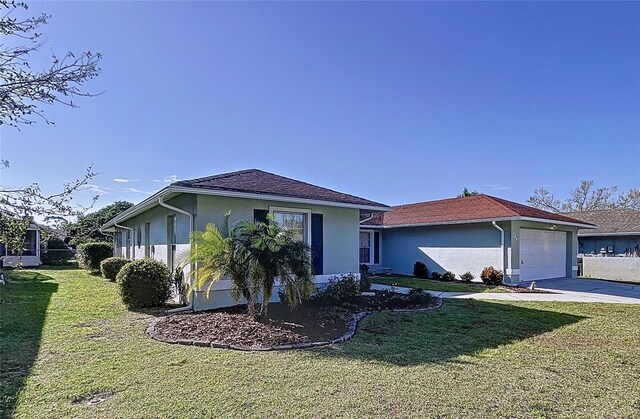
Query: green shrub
(340, 289)
(448, 276)
(111, 266)
(467, 276)
(491, 276)
(56, 253)
(420, 270)
(436, 275)
(144, 283)
(365, 279)
(90, 255)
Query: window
(139, 236)
(294, 220)
(365, 247)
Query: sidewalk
(559, 295)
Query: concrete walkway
(593, 293)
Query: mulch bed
(282, 328)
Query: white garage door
(542, 254)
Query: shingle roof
(612, 221)
(259, 182)
(465, 209)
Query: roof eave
(488, 220)
(269, 197)
(619, 233)
(152, 201)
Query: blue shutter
(317, 243)
(376, 247)
(260, 215)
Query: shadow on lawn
(460, 327)
(23, 304)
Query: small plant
(436, 276)
(144, 283)
(365, 280)
(491, 276)
(90, 255)
(467, 276)
(340, 289)
(364, 268)
(420, 270)
(448, 276)
(111, 266)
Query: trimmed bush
(90, 255)
(467, 276)
(491, 276)
(340, 289)
(420, 270)
(448, 276)
(436, 276)
(111, 266)
(144, 283)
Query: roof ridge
(219, 176)
(436, 200)
(502, 203)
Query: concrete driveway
(591, 286)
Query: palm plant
(215, 254)
(274, 252)
(252, 254)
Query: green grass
(65, 334)
(432, 285)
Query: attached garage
(470, 233)
(543, 254)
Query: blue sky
(395, 102)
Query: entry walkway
(565, 289)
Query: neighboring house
(30, 255)
(617, 232)
(159, 226)
(469, 233)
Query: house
(469, 233)
(31, 253)
(617, 232)
(159, 227)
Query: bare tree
(630, 199)
(545, 200)
(585, 197)
(23, 89)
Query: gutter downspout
(190, 306)
(501, 244)
(130, 229)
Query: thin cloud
(124, 180)
(135, 190)
(168, 179)
(90, 187)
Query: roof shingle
(612, 221)
(464, 209)
(259, 182)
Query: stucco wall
(457, 248)
(340, 232)
(613, 268)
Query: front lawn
(69, 348)
(432, 285)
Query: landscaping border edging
(352, 326)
